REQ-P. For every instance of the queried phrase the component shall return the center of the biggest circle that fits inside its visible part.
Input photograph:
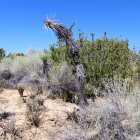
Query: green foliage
(43, 57)
(102, 58)
(13, 55)
(60, 54)
(108, 58)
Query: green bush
(102, 58)
(60, 54)
(107, 59)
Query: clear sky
(21, 21)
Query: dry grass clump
(105, 126)
(32, 96)
(28, 63)
(10, 130)
(75, 134)
(34, 114)
(111, 126)
(63, 83)
(35, 107)
(115, 113)
(84, 118)
(5, 83)
(37, 95)
(27, 70)
(61, 74)
(117, 118)
(38, 90)
(84, 124)
(40, 99)
(134, 109)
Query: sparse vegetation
(9, 127)
(20, 89)
(33, 113)
(35, 107)
(2, 53)
(105, 70)
(40, 99)
(108, 121)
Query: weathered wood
(64, 34)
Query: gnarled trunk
(65, 35)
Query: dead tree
(65, 35)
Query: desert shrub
(32, 96)
(5, 84)
(59, 55)
(33, 113)
(106, 59)
(10, 80)
(9, 127)
(102, 58)
(39, 90)
(6, 64)
(91, 91)
(84, 118)
(28, 70)
(75, 134)
(111, 126)
(29, 63)
(63, 82)
(44, 57)
(18, 76)
(134, 108)
(61, 74)
(6, 74)
(13, 55)
(116, 118)
(122, 104)
(40, 99)
(35, 106)
(36, 97)
(84, 124)
(112, 114)
(20, 88)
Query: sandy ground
(53, 123)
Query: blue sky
(21, 21)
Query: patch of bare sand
(54, 116)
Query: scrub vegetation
(78, 90)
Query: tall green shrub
(106, 59)
(102, 58)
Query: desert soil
(54, 118)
